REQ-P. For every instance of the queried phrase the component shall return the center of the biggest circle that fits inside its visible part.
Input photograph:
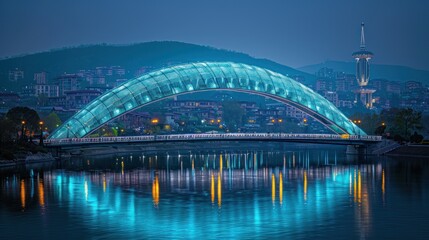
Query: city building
(378, 84)
(120, 81)
(413, 85)
(345, 104)
(41, 87)
(100, 88)
(332, 97)
(40, 77)
(345, 82)
(323, 84)
(69, 82)
(78, 98)
(325, 73)
(16, 75)
(47, 90)
(393, 88)
(142, 70)
(204, 110)
(96, 80)
(282, 110)
(57, 101)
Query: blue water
(239, 194)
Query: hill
(130, 57)
(390, 72)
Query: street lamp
(41, 133)
(22, 129)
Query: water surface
(213, 194)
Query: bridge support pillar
(356, 149)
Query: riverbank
(14, 154)
(27, 158)
(417, 151)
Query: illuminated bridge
(272, 137)
(203, 76)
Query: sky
(291, 32)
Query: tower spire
(362, 37)
(362, 58)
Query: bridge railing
(213, 136)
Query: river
(315, 192)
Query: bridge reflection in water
(144, 192)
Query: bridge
(197, 77)
(360, 140)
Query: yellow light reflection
(22, 193)
(155, 191)
(383, 183)
(212, 188)
(220, 164)
(281, 188)
(363, 208)
(359, 187)
(104, 183)
(219, 190)
(122, 167)
(273, 188)
(193, 166)
(305, 185)
(41, 190)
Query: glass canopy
(203, 76)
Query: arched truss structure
(203, 76)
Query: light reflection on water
(252, 194)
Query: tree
(369, 122)
(416, 138)
(52, 121)
(7, 130)
(232, 114)
(380, 130)
(19, 114)
(406, 121)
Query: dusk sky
(293, 33)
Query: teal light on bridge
(203, 76)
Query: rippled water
(236, 194)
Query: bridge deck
(274, 137)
